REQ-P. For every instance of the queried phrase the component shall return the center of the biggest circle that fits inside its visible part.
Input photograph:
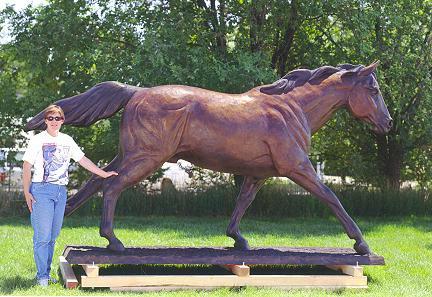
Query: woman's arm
(26, 180)
(90, 166)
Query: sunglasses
(57, 119)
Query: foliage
(202, 179)
(65, 47)
(399, 34)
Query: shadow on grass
(373, 280)
(11, 284)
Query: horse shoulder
(288, 137)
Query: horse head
(365, 100)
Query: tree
(398, 34)
(66, 47)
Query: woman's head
(52, 109)
(54, 118)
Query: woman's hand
(30, 200)
(109, 173)
(90, 166)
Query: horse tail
(100, 102)
(93, 185)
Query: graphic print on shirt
(55, 162)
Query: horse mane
(299, 77)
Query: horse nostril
(390, 124)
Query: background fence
(273, 200)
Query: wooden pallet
(351, 277)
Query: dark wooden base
(345, 260)
(220, 256)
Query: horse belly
(248, 165)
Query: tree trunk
(390, 156)
(257, 19)
(283, 45)
(218, 24)
(390, 152)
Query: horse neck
(320, 102)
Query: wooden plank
(293, 281)
(348, 269)
(220, 256)
(164, 288)
(68, 274)
(239, 270)
(91, 270)
(159, 288)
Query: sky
(20, 4)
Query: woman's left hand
(109, 173)
(90, 166)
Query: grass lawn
(405, 243)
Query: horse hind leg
(131, 171)
(248, 190)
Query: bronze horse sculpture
(261, 133)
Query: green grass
(405, 243)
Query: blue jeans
(46, 219)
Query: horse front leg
(248, 190)
(305, 176)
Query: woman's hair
(53, 109)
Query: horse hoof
(362, 248)
(242, 245)
(116, 247)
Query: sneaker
(53, 280)
(42, 282)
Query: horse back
(224, 132)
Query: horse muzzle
(384, 127)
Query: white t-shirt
(50, 157)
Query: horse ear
(350, 74)
(369, 69)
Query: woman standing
(49, 152)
